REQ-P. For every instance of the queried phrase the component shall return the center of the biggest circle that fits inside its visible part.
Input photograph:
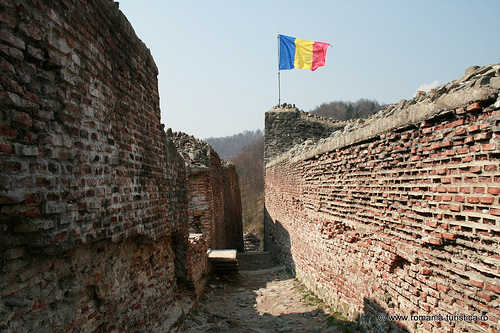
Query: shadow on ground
(262, 297)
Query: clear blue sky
(218, 59)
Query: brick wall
(93, 205)
(402, 215)
(213, 193)
(233, 224)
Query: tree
(340, 110)
(249, 165)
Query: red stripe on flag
(319, 55)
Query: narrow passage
(261, 298)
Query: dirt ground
(262, 297)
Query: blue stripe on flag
(287, 52)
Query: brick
(494, 190)
(473, 128)
(446, 143)
(442, 288)
(487, 200)
(495, 211)
(447, 198)
(482, 136)
(6, 66)
(475, 169)
(478, 189)
(7, 131)
(12, 40)
(433, 224)
(474, 107)
(488, 147)
(5, 149)
(39, 305)
(491, 287)
(449, 236)
(473, 199)
(456, 123)
(435, 241)
(484, 295)
(476, 283)
(491, 167)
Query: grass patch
(334, 318)
(346, 326)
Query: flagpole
(279, 76)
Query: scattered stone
(270, 301)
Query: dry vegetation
(250, 167)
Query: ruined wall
(93, 206)
(400, 213)
(232, 210)
(278, 138)
(213, 193)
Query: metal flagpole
(279, 76)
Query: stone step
(223, 260)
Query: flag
(303, 54)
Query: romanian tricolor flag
(303, 54)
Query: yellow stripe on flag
(303, 54)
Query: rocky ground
(262, 297)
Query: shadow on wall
(375, 319)
(278, 242)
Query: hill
(340, 110)
(229, 146)
(250, 168)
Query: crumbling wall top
(196, 152)
(479, 84)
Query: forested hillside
(229, 146)
(250, 167)
(340, 110)
(246, 151)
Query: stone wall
(213, 193)
(93, 203)
(278, 137)
(399, 214)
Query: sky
(218, 59)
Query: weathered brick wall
(93, 205)
(213, 193)
(233, 224)
(401, 216)
(198, 262)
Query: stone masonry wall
(279, 139)
(93, 205)
(401, 215)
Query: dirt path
(262, 298)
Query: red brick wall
(93, 206)
(400, 217)
(232, 229)
(215, 204)
(213, 193)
